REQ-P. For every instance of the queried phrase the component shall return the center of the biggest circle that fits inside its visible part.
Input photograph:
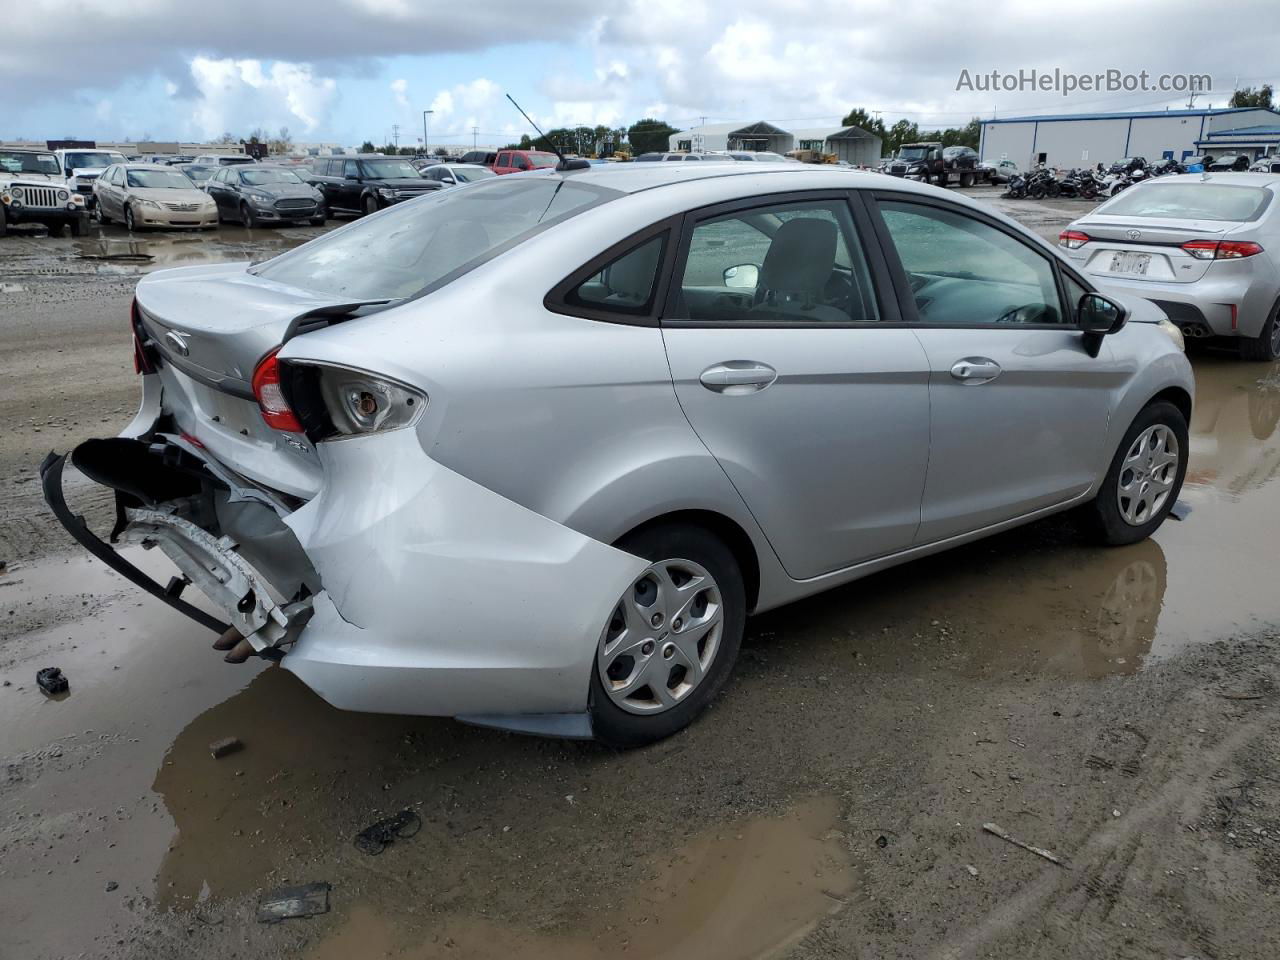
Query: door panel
(1019, 409)
(1028, 438)
(830, 457)
(817, 412)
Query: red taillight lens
(276, 411)
(1221, 249)
(141, 362)
(1072, 239)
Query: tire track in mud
(1103, 865)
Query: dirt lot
(1117, 707)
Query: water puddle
(749, 890)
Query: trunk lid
(1147, 248)
(210, 326)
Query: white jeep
(33, 190)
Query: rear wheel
(1265, 347)
(966, 179)
(672, 637)
(1145, 477)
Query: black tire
(317, 221)
(1106, 523)
(128, 218)
(1265, 347)
(1037, 192)
(77, 227)
(4, 223)
(369, 204)
(622, 729)
(102, 215)
(966, 179)
(247, 217)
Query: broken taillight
(275, 409)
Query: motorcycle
(1016, 188)
(1042, 183)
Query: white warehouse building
(1079, 140)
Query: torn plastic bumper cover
(162, 488)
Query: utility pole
(426, 147)
(475, 131)
(395, 135)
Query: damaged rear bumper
(402, 587)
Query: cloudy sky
(348, 70)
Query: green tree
(904, 131)
(649, 135)
(1249, 97)
(440, 152)
(368, 147)
(857, 117)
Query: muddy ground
(1118, 708)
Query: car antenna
(565, 163)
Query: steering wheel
(1027, 313)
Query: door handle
(735, 377)
(975, 370)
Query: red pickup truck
(517, 161)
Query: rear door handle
(735, 377)
(975, 370)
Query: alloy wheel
(1275, 337)
(1147, 474)
(662, 637)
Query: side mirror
(1097, 316)
(352, 176)
(745, 276)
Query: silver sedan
(1201, 247)
(529, 452)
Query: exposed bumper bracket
(51, 485)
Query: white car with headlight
(33, 190)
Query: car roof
(636, 177)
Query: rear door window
(795, 262)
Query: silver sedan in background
(456, 174)
(1201, 247)
(529, 453)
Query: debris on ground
(112, 886)
(52, 681)
(376, 837)
(1000, 832)
(287, 903)
(973, 871)
(225, 746)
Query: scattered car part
(52, 681)
(376, 837)
(288, 903)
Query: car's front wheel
(1265, 347)
(672, 637)
(128, 219)
(1145, 477)
(370, 204)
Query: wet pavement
(838, 786)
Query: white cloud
(278, 95)
(399, 87)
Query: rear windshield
(1190, 201)
(540, 160)
(413, 245)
